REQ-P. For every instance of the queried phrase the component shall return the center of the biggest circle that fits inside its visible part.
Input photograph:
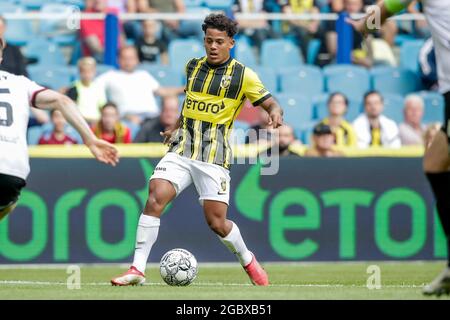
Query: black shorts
(10, 188)
(446, 115)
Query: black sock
(440, 184)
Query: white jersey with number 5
(17, 94)
(437, 13)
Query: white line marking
(207, 284)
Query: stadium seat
(244, 53)
(34, 4)
(305, 132)
(307, 80)
(409, 55)
(78, 3)
(166, 75)
(298, 109)
(54, 77)
(353, 81)
(321, 108)
(34, 134)
(10, 7)
(219, 4)
(134, 128)
(393, 107)
(331, 69)
(19, 32)
(269, 78)
(193, 3)
(396, 81)
(57, 28)
(278, 53)
(45, 51)
(434, 106)
(182, 50)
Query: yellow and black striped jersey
(344, 134)
(214, 97)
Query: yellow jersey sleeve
(253, 88)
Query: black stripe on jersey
(214, 85)
(258, 102)
(219, 157)
(206, 136)
(236, 81)
(189, 147)
(199, 81)
(189, 70)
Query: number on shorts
(8, 121)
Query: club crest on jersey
(223, 186)
(225, 82)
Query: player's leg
(213, 184)
(169, 179)
(436, 166)
(10, 188)
(230, 235)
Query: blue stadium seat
(19, 32)
(102, 68)
(45, 51)
(193, 3)
(57, 29)
(298, 109)
(331, 69)
(10, 7)
(305, 132)
(269, 78)
(396, 81)
(434, 106)
(134, 128)
(393, 107)
(409, 54)
(34, 134)
(321, 108)
(182, 50)
(166, 75)
(307, 80)
(34, 4)
(78, 3)
(353, 81)
(219, 4)
(278, 53)
(244, 53)
(54, 77)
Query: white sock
(146, 235)
(234, 242)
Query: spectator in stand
(92, 32)
(427, 66)
(173, 29)
(372, 128)
(58, 134)
(323, 143)
(257, 30)
(150, 48)
(109, 127)
(303, 30)
(13, 60)
(133, 90)
(344, 134)
(131, 28)
(151, 128)
(259, 131)
(87, 94)
(412, 130)
(284, 140)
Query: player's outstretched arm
(387, 8)
(102, 150)
(168, 134)
(275, 112)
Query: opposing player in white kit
(17, 94)
(437, 158)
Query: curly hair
(220, 22)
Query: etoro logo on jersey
(203, 107)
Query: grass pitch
(296, 281)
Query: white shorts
(211, 180)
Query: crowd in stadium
(386, 98)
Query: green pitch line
(401, 280)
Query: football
(178, 267)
